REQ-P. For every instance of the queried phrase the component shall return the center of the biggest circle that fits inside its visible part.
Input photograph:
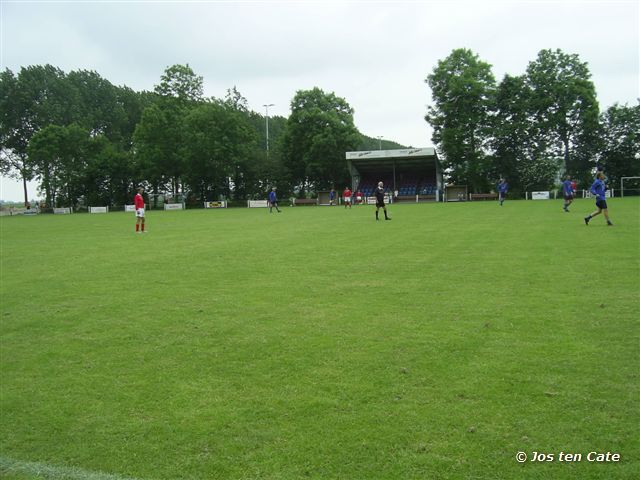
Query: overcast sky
(374, 54)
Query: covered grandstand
(415, 173)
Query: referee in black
(379, 193)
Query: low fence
(555, 194)
(534, 195)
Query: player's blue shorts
(601, 204)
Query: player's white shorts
(347, 199)
(140, 212)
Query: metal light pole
(379, 137)
(267, 119)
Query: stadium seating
(427, 188)
(368, 185)
(408, 187)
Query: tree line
(529, 128)
(87, 141)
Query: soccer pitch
(318, 343)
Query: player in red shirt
(139, 204)
(347, 197)
(359, 197)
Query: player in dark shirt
(379, 193)
(569, 192)
(273, 201)
(598, 189)
(503, 188)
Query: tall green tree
(29, 101)
(319, 131)
(60, 155)
(132, 104)
(246, 169)
(219, 139)
(234, 100)
(263, 171)
(463, 90)
(154, 149)
(13, 151)
(620, 154)
(564, 108)
(537, 174)
(511, 133)
(109, 176)
(180, 83)
(159, 137)
(96, 104)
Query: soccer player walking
(273, 200)
(569, 192)
(139, 205)
(598, 189)
(379, 193)
(503, 188)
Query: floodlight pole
(379, 137)
(266, 106)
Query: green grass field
(319, 344)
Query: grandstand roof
(404, 157)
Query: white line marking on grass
(43, 470)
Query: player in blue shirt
(598, 189)
(567, 190)
(503, 188)
(273, 200)
(332, 197)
